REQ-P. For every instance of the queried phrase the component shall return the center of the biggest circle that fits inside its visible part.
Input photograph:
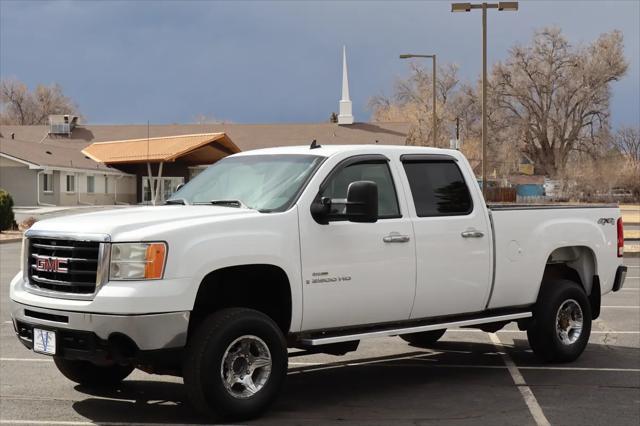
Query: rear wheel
(87, 373)
(235, 365)
(423, 339)
(561, 323)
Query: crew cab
(313, 248)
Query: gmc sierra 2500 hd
(312, 248)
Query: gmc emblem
(51, 264)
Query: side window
(377, 172)
(438, 188)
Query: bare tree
(555, 97)
(18, 105)
(412, 101)
(627, 141)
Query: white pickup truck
(314, 248)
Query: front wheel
(561, 322)
(235, 365)
(86, 373)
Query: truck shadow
(420, 384)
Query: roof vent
(62, 124)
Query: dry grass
(630, 213)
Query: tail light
(620, 238)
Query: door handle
(395, 237)
(472, 233)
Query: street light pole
(435, 118)
(466, 7)
(433, 108)
(485, 178)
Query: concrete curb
(11, 240)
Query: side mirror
(362, 202)
(179, 187)
(321, 210)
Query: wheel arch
(577, 264)
(264, 287)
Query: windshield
(262, 182)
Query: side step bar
(325, 340)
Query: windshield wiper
(229, 203)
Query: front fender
(268, 239)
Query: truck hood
(125, 221)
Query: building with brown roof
(42, 168)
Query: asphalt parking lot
(470, 377)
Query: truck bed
(524, 236)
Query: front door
(453, 240)
(358, 273)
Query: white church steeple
(346, 115)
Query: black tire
(87, 373)
(203, 365)
(542, 333)
(423, 339)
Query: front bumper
(89, 335)
(621, 274)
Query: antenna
(314, 145)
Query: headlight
(137, 261)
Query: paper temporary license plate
(44, 341)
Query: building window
(47, 182)
(91, 184)
(71, 183)
(106, 185)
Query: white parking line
(471, 366)
(473, 330)
(621, 307)
(518, 379)
(26, 360)
(52, 422)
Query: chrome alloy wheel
(569, 321)
(246, 366)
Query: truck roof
(329, 150)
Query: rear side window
(438, 188)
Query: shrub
(6, 211)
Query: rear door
(358, 273)
(452, 235)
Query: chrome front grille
(65, 267)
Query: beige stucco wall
(23, 185)
(118, 189)
(19, 181)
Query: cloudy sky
(264, 61)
